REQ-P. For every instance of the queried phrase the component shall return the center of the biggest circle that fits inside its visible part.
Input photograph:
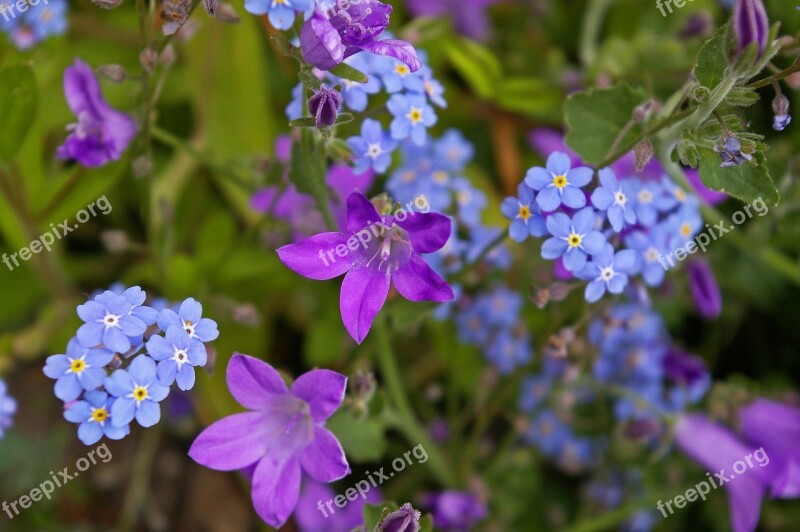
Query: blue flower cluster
(549, 431)
(648, 218)
(280, 13)
(8, 407)
(117, 326)
(493, 321)
(36, 23)
(635, 354)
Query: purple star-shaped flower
(101, 134)
(283, 434)
(375, 251)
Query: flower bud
(404, 519)
(107, 4)
(750, 25)
(704, 288)
(113, 73)
(324, 106)
(780, 106)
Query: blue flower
(548, 433)
(607, 271)
(452, 151)
(280, 12)
(109, 321)
(533, 391)
(470, 202)
(356, 95)
(645, 194)
(412, 116)
(559, 183)
(651, 248)
(373, 149)
(80, 369)
(573, 238)
(189, 318)
(508, 351)
(138, 393)
(614, 198)
(435, 90)
(295, 108)
(94, 415)
(480, 238)
(502, 307)
(177, 354)
(8, 407)
(526, 219)
(397, 76)
(683, 225)
(473, 328)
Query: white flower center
(374, 150)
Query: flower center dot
(77, 365)
(100, 415)
(524, 212)
(402, 70)
(560, 181)
(574, 240)
(140, 393)
(415, 115)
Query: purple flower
(281, 434)
(404, 519)
(375, 251)
(80, 369)
(776, 427)
(689, 373)
(138, 393)
(94, 415)
(455, 510)
(704, 288)
(750, 25)
(573, 238)
(615, 199)
(559, 183)
(101, 134)
(469, 16)
(356, 26)
(8, 407)
(717, 449)
(312, 515)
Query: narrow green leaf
(308, 121)
(345, 71)
(476, 64)
(18, 101)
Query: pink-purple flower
(375, 251)
(282, 433)
(101, 134)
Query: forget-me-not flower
(559, 183)
(81, 368)
(137, 393)
(93, 414)
(526, 219)
(573, 239)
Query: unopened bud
(404, 519)
(226, 13)
(106, 4)
(324, 106)
(113, 73)
(148, 58)
(780, 106)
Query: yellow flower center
(140, 393)
(686, 230)
(680, 195)
(440, 176)
(77, 365)
(524, 212)
(574, 240)
(560, 181)
(402, 70)
(415, 115)
(100, 415)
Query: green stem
(590, 32)
(777, 77)
(670, 120)
(407, 421)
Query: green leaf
(595, 119)
(744, 182)
(308, 121)
(712, 60)
(530, 96)
(476, 64)
(362, 440)
(283, 45)
(18, 101)
(345, 71)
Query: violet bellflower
(717, 449)
(282, 434)
(101, 134)
(776, 428)
(375, 251)
(705, 290)
(328, 37)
